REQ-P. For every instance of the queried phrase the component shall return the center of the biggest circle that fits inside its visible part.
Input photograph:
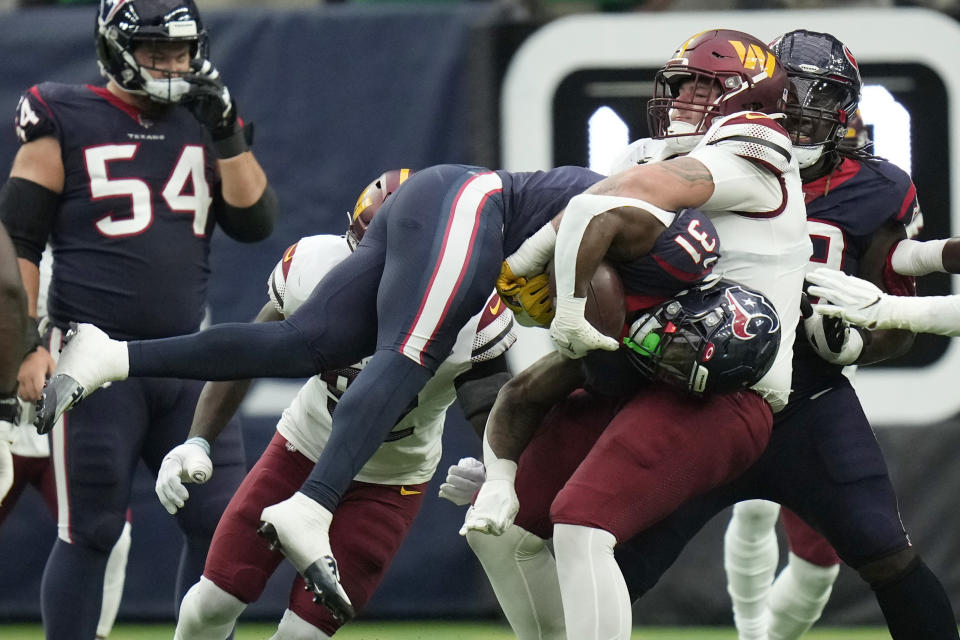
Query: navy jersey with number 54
(131, 238)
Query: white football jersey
(758, 210)
(411, 452)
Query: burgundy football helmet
(730, 71)
(369, 202)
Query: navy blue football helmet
(714, 338)
(824, 93)
(124, 24)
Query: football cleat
(323, 578)
(89, 359)
(297, 528)
(60, 394)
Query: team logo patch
(754, 57)
(751, 313)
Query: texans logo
(751, 313)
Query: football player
(127, 181)
(857, 208)
(425, 266)
(823, 461)
(382, 502)
(735, 162)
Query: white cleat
(89, 359)
(298, 528)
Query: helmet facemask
(669, 344)
(816, 116)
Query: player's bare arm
(40, 163)
(13, 310)
(884, 343)
(219, 401)
(672, 184)
(525, 400)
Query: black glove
(209, 101)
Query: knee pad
(293, 627)
(881, 572)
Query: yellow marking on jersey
(495, 309)
(408, 492)
(755, 116)
(288, 256)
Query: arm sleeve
(248, 224)
(928, 314)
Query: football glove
(843, 296)
(463, 481)
(833, 339)
(573, 336)
(188, 462)
(210, 103)
(496, 505)
(536, 299)
(508, 286)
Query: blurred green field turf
(434, 630)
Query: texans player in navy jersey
(427, 263)
(823, 461)
(126, 182)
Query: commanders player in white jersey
(13, 324)
(385, 497)
(713, 104)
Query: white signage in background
(898, 36)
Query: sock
(750, 555)
(113, 582)
(72, 590)
(523, 575)
(229, 351)
(798, 597)
(207, 613)
(596, 605)
(916, 606)
(371, 406)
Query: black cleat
(323, 579)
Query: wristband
(200, 442)
(231, 145)
(31, 337)
(10, 408)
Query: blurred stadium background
(341, 92)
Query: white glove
(496, 505)
(857, 301)
(188, 462)
(463, 480)
(573, 336)
(833, 339)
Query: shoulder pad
(640, 151)
(757, 137)
(302, 266)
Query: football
(606, 306)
